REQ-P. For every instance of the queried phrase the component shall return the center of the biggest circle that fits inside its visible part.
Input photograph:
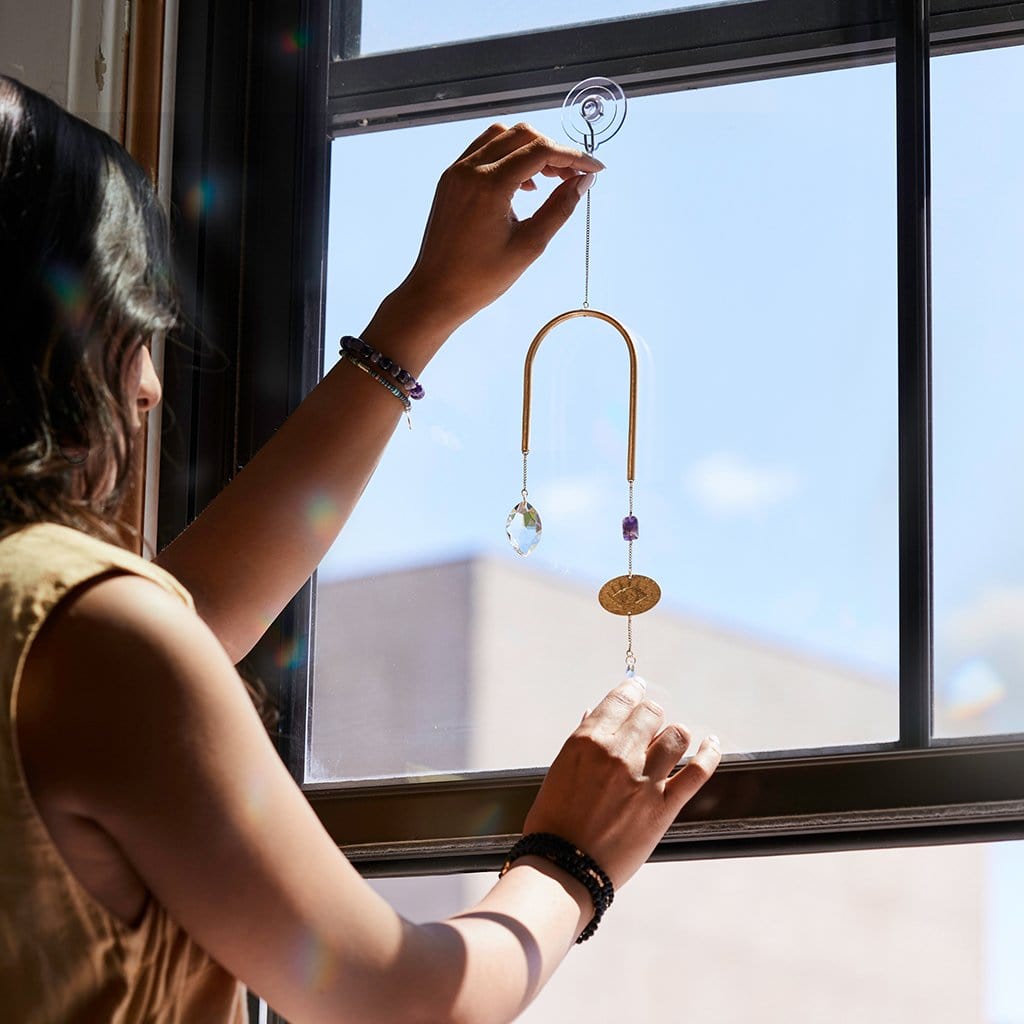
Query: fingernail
(715, 742)
(583, 182)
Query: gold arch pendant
(596, 314)
(631, 594)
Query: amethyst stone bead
(630, 528)
(417, 392)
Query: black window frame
(256, 120)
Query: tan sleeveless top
(63, 957)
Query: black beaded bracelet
(574, 861)
(359, 351)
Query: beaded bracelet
(359, 351)
(393, 388)
(572, 859)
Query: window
(258, 102)
(762, 309)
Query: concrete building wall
(887, 936)
(412, 628)
(544, 650)
(481, 665)
(891, 937)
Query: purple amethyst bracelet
(360, 352)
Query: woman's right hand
(609, 791)
(475, 246)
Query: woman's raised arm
(248, 553)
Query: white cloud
(445, 438)
(572, 498)
(728, 485)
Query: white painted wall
(74, 51)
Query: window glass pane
(818, 937)
(747, 235)
(400, 25)
(978, 270)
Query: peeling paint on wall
(75, 51)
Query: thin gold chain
(586, 259)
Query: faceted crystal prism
(523, 528)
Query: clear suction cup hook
(593, 112)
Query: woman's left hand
(474, 246)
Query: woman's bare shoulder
(112, 655)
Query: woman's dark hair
(84, 281)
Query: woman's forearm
(486, 965)
(250, 550)
(248, 553)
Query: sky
(399, 24)
(746, 234)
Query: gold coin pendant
(629, 595)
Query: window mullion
(914, 382)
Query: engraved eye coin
(629, 595)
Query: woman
(153, 848)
